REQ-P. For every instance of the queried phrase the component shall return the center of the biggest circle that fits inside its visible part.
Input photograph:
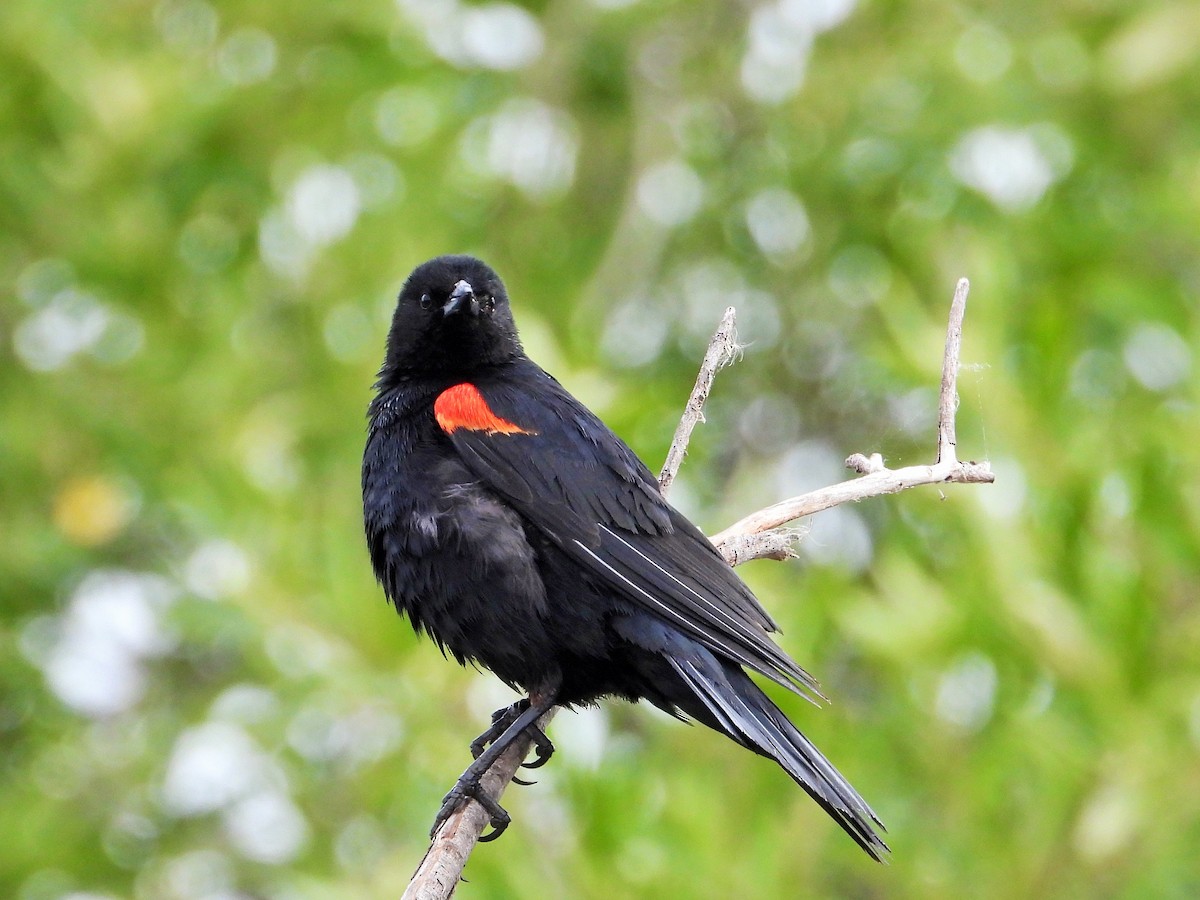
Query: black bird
(510, 524)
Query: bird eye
(487, 302)
(426, 301)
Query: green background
(205, 213)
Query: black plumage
(510, 524)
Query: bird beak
(462, 299)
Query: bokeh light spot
(323, 204)
(188, 27)
(966, 692)
(266, 827)
(500, 36)
(1012, 167)
(1157, 356)
(217, 569)
(94, 661)
(247, 56)
(93, 509)
(777, 222)
(527, 143)
(983, 52)
(670, 193)
(406, 116)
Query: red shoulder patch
(462, 406)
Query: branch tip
(723, 349)
(948, 397)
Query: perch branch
(760, 535)
(442, 867)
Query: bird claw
(501, 720)
(464, 790)
(543, 748)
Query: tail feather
(739, 708)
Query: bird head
(452, 317)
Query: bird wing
(579, 484)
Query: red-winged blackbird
(514, 527)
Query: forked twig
(758, 535)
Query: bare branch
(948, 401)
(750, 535)
(722, 350)
(887, 481)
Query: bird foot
(502, 719)
(465, 789)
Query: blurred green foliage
(205, 212)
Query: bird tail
(734, 705)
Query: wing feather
(587, 491)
